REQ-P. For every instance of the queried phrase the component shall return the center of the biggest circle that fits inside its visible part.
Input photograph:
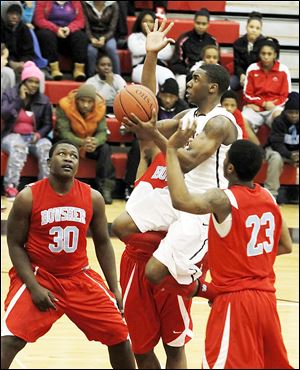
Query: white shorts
(185, 244)
(257, 119)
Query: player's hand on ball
(186, 130)
(142, 130)
(157, 40)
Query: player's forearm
(160, 141)
(149, 71)
(179, 193)
(22, 265)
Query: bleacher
(224, 30)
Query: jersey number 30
(65, 239)
(254, 248)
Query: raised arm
(156, 41)
(17, 233)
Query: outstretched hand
(142, 130)
(183, 134)
(156, 39)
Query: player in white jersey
(185, 245)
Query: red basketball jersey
(244, 257)
(156, 174)
(58, 228)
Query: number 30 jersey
(242, 250)
(58, 228)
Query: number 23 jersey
(242, 250)
(58, 228)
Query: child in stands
(107, 83)
(230, 102)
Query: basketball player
(46, 237)
(246, 232)
(185, 244)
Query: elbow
(178, 204)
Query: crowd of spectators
(34, 34)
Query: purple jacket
(11, 104)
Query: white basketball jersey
(209, 174)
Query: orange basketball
(136, 99)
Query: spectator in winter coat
(101, 24)
(15, 35)
(245, 50)
(283, 143)
(188, 48)
(27, 116)
(137, 48)
(81, 119)
(267, 86)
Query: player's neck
(207, 106)
(236, 182)
(61, 186)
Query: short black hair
(229, 94)
(137, 26)
(202, 12)
(217, 74)
(247, 159)
(64, 141)
(102, 54)
(269, 41)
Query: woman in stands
(60, 28)
(101, 25)
(27, 118)
(267, 86)
(137, 48)
(245, 50)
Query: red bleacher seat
(87, 167)
(226, 32)
(55, 90)
(213, 6)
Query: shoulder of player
(23, 202)
(219, 202)
(218, 124)
(97, 200)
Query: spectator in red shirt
(267, 85)
(229, 101)
(60, 27)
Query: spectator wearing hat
(15, 35)
(188, 48)
(267, 85)
(283, 143)
(81, 119)
(27, 117)
(168, 100)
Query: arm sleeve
(40, 19)
(78, 22)
(113, 22)
(101, 132)
(47, 123)
(276, 139)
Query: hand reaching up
(156, 39)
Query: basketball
(136, 99)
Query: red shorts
(151, 313)
(243, 332)
(83, 297)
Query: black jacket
(284, 137)
(242, 59)
(188, 49)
